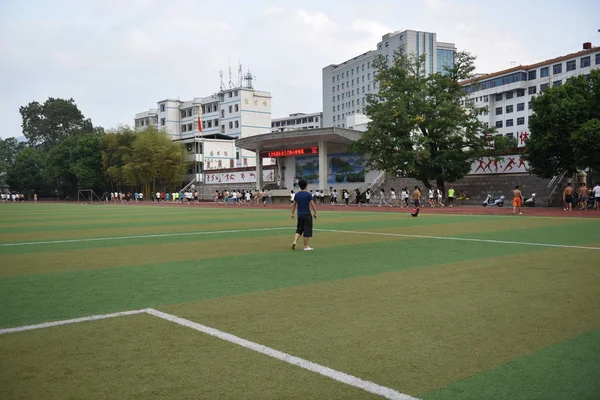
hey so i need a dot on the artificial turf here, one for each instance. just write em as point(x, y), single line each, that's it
point(432, 318)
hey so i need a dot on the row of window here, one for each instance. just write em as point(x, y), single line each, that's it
point(353, 92)
point(346, 85)
point(349, 104)
point(346, 74)
point(509, 122)
point(571, 65)
point(341, 116)
point(510, 108)
point(297, 121)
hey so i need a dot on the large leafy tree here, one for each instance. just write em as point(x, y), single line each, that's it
point(565, 128)
point(9, 149)
point(145, 160)
point(422, 126)
point(48, 123)
point(25, 175)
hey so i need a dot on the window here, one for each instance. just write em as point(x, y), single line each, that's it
point(162, 106)
point(222, 128)
point(182, 113)
point(532, 89)
point(544, 72)
point(369, 74)
point(557, 69)
point(316, 119)
point(486, 99)
point(556, 83)
point(543, 87)
point(230, 94)
point(369, 87)
point(342, 85)
point(498, 124)
point(369, 64)
point(230, 109)
point(509, 109)
point(363, 67)
point(597, 58)
point(509, 95)
point(183, 127)
point(531, 75)
point(363, 78)
point(222, 113)
point(498, 110)
point(571, 65)
point(584, 62)
point(162, 122)
point(499, 97)
point(521, 107)
point(189, 127)
point(237, 108)
point(363, 89)
point(237, 124)
point(530, 105)
point(235, 93)
point(521, 121)
point(520, 92)
point(334, 79)
point(510, 136)
point(509, 122)
point(230, 124)
point(333, 98)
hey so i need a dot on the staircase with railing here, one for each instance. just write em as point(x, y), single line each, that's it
point(189, 185)
point(553, 186)
point(377, 182)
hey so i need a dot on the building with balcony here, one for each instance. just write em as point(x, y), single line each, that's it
point(508, 93)
point(208, 125)
point(297, 121)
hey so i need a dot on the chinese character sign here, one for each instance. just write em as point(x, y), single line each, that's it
point(237, 177)
point(500, 165)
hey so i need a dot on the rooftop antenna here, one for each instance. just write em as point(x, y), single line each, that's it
point(222, 84)
point(230, 81)
point(240, 74)
point(512, 64)
point(248, 78)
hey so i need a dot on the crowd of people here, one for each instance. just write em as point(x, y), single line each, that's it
point(248, 197)
point(14, 197)
point(583, 198)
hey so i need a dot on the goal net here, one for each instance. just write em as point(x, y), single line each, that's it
point(87, 196)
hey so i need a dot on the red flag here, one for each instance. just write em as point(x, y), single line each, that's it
point(199, 124)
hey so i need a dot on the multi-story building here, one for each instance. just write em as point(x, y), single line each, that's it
point(225, 116)
point(297, 121)
point(508, 93)
point(346, 85)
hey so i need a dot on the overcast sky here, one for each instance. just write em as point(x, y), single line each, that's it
point(119, 57)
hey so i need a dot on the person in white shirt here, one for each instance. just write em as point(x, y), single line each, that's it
point(292, 195)
point(431, 198)
point(141, 196)
point(368, 197)
point(393, 198)
point(597, 195)
point(382, 199)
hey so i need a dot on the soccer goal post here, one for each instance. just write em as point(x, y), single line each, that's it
point(87, 196)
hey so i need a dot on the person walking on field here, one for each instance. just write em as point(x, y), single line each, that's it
point(568, 197)
point(303, 200)
point(416, 197)
point(596, 191)
point(517, 200)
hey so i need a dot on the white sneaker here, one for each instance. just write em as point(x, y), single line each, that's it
point(308, 249)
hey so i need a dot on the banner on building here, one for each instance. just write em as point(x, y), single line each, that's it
point(515, 164)
point(237, 177)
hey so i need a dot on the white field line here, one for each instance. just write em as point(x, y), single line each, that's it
point(70, 321)
point(459, 239)
point(342, 377)
point(143, 236)
point(350, 380)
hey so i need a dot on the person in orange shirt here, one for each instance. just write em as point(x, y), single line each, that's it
point(517, 200)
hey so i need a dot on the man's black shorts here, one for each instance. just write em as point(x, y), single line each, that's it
point(568, 198)
point(305, 225)
point(416, 202)
point(450, 199)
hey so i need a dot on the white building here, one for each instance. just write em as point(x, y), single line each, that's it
point(345, 85)
point(225, 116)
point(297, 121)
point(508, 93)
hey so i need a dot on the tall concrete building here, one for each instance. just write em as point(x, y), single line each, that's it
point(346, 85)
point(297, 121)
point(228, 115)
point(508, 93)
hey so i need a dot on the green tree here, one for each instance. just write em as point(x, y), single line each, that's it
point(564, 128)
point(25, 175)
point(48, 123)
point(9, 149)
point(115, 152)
point(419, 128)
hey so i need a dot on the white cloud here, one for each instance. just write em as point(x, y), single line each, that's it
point(435, 5)
point(272, 10)
point(318, 21)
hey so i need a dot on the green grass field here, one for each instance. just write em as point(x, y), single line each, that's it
point(401, 306)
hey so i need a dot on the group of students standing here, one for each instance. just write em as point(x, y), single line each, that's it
point(248, 197)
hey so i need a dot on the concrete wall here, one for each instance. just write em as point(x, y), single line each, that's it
point(477, 187)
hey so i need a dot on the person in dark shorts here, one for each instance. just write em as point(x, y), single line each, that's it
point(416, 197)
point(304, 201)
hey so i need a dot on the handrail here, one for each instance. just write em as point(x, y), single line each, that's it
point(556, 183)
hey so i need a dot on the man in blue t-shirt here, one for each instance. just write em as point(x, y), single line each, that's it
point(304, 201)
